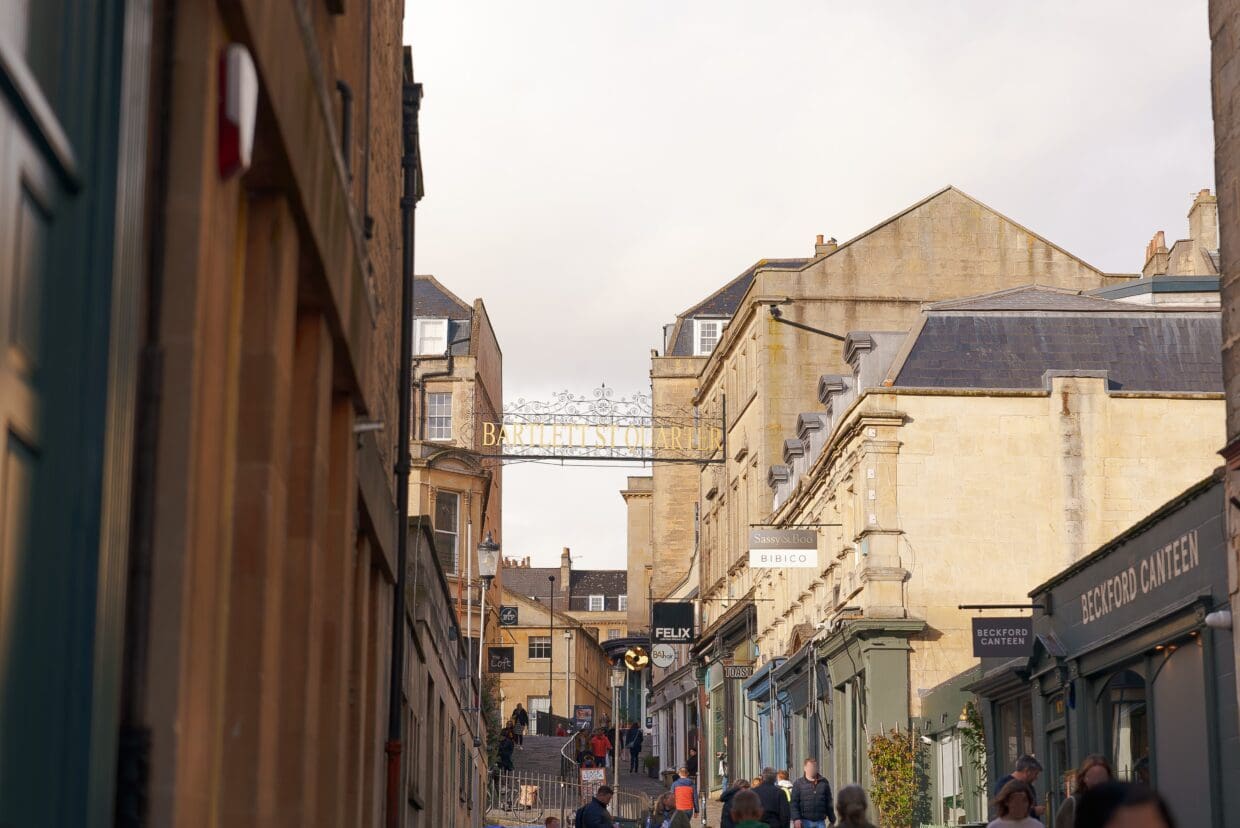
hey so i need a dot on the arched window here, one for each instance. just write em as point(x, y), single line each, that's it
point(1126, 717)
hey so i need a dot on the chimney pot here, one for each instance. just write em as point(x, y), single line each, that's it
point(822, 248)
point(818, 239)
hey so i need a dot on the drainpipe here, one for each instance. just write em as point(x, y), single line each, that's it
point(411, 98)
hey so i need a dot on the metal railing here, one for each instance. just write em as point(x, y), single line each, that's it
point(522, 798)
point(568, 764)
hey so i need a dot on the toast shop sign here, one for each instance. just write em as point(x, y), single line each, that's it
point(603, 426)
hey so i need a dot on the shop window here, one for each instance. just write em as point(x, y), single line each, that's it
point(1016, 731)
point(1127, 717)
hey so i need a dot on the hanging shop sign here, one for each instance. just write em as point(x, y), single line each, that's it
point(500, 660)
point(783, 548)
point(636, 659)
point(663, 655)
point(737, 671)
point(602, 426)
point(1002, 637)
point(583, 716)
point(508, 616)
point(673, 622)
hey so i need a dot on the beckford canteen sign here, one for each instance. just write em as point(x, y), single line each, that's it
point(1002, 637)
point(783, 548)
point(602, 426)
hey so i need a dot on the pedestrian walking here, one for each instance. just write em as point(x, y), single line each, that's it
point(1121, 805)
point(725, 816)
point(506, 746)
point(684, 793)
point(775, 810)
point(636, 739)
point(781, 779)
point(746, 810)
point(600, 747)
point(1028, 768)
point(810, 801)
point(1094, 771)
point(851, 806)
point(594, 814)
point(520, 721)
point(1014, 806)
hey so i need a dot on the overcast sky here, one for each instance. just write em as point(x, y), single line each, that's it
point(594, 167)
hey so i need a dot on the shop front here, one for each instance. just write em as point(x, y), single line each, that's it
point(770, 747)
point(804, 696)
point(1132, 659)
point(727, 652)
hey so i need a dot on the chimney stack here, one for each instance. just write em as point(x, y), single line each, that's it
point(1203, 220)
point(822, 248)
point(566, 570)
point(1157, 257)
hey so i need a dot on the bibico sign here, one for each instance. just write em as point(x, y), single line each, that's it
point(783, 548)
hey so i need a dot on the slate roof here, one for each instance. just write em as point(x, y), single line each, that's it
point(434, 301)
point(722, 303)
point(532, 582)
point(1028, 298)
point(1012, 344)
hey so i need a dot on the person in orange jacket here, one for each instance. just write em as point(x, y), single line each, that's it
point(600, 746)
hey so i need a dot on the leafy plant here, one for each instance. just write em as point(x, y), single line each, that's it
point(651, 762)
point(491, 715)
point(973, 740)
point(897, 770)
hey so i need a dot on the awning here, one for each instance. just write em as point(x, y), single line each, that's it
point(793, 677)
point(758, 686)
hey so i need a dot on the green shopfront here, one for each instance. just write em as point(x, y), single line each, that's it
point(1132, 659)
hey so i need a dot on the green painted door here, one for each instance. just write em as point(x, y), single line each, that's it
point(59, 111)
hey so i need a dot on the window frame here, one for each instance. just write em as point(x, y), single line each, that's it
point(613, 634)
point(541, 639)
point(438, 425)
point(602, 603)
point(420, 335)
point(622, 603)
point(698, 326)
point(455, 532)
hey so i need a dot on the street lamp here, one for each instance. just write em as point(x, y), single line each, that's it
point(488, 563)
point(551, 644)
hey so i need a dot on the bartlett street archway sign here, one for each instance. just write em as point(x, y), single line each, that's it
point(602, 426)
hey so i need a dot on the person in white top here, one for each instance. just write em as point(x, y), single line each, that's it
point(1013, 804)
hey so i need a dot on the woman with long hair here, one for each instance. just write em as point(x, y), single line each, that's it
point(1013, 805)
point(1095, 770)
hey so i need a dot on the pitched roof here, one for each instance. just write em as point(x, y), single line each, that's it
point(531, 581)
point(722, 303)
point(432, 300)
point(1013, 345)
point(1028, 298)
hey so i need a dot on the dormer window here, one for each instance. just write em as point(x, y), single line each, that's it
point(706, 334)
point(430, 337)
point(596, 603)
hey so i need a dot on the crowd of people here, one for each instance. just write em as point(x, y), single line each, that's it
point(595, 748)
point(1098, 799)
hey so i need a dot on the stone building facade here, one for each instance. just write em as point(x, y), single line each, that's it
point(1225, 85)
point(1002, 440)
point(598, 598)
point(731, 357)
point(200, 374)
point(556, 659)
point(456, 480)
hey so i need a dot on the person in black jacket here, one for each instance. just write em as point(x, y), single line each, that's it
point(725, 818)
point(506, 745)
point(774, 801)
point(594, 814)
point(811, 803)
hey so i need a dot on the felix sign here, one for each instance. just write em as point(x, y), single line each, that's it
point(673, 622)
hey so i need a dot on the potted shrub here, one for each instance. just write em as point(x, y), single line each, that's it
point(652, 766)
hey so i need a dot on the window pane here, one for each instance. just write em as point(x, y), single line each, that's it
point(439, 416)
point(623, 602)
point(707, 336)
point(432, 337)
point(447, 510)
point(613, 634)
point(540, 646)
point(596, 603)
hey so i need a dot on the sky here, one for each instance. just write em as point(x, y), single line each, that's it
point(594, 167)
